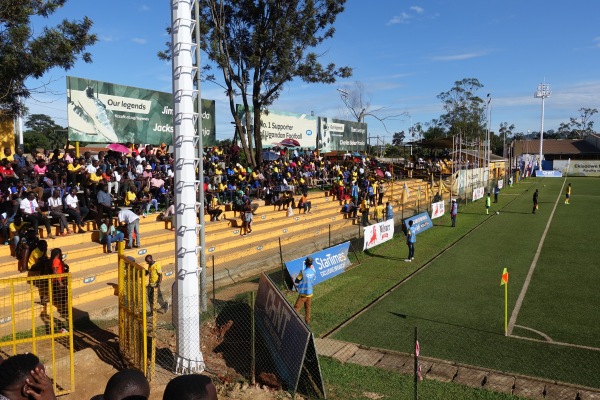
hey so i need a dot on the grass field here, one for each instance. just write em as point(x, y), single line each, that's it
point(456, 301)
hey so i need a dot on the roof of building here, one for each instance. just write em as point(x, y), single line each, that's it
point(555, 146)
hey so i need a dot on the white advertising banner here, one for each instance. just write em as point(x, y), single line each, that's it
point(437, 209)
point(374, 235)
point(500, 184)
point(277, 126)
point(577, 167)
point(478, 193)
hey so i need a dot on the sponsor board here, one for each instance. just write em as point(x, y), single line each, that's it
point(328, 263)
point(478, 193)
point(277, 126)
point(102, 112)
point(500, 183)
point(340, 135)
point(286, 337)
point(421, 222)
point(374, 235)
point(548, 174)
point(437, 209)
point(577, 167)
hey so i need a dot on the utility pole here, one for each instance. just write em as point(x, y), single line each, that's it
point(543, 92)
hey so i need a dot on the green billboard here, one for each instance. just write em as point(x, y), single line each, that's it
point(101, 112)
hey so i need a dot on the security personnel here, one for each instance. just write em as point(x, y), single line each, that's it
point(304, 284)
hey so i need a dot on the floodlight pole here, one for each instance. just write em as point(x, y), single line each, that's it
point(543, 92)
point(488, 139)
point(186, 300)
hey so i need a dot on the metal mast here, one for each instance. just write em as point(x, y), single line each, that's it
point(543, 92)
point(186, 310)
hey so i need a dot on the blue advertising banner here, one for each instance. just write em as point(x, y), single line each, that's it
point(548, 174)
point(328, 263)
point(420, 221)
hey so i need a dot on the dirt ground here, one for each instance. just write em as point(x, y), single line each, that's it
point(97, 359)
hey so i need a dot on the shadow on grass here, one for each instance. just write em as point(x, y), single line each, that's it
point(405, 316)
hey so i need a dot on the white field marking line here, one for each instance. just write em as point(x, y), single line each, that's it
point(542, 334)
point(515, 313)
point(577, 346)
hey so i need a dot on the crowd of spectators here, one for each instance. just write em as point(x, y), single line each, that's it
point(48, 188)
point(23, 376)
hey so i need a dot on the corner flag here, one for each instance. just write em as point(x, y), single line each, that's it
point(504, 279)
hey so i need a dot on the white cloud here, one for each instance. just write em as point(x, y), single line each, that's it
point(144, 7)
point(417, 9)
point(139, 40)
point(107, 39)
point(459, 57)
point(403, 18)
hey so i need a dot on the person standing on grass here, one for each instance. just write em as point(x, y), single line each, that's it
point(535, 201)
point(496, 193)
point(304, 283)
point(453, 212)
point(488, 203)
point(154, 280)
point(411, 239)
point(568, 194)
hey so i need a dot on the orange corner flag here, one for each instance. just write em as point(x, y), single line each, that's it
point(504, 279)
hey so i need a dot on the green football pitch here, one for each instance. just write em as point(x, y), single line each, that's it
point(456, 300)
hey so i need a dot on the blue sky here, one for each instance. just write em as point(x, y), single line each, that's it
point(404, 52)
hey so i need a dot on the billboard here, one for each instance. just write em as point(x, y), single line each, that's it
point(101, 112)
point(287, 338)
point(437, 209)
point(339, 135)
point(278, 125)
point(378, 233)
point(578, 167)
point(421, 222)
point(328, 263)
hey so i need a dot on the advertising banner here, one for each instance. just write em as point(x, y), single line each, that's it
point(421, 222)
point(437, 209)
point(468, 178)
point(500, 183)
point(340, 135)
point(478, 193)
point(286, 337)
point(276, 126)
point(378, 233)
point(101, 112)
point(328, 263)
point(578, 167)
point(548, 174)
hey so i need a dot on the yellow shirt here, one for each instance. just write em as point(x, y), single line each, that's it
point(154, 271)
point(129, 197)
point(94, 178)
point(72, 168)
point(35, 255)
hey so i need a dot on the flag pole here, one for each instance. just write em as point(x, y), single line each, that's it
point(506, 309)
point(504, 281)
point(416, 366)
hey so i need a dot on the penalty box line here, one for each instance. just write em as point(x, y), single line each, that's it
point(519, 303)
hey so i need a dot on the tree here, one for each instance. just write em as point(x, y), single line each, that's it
point(25, 53)
point(504, 133)
point(43, 132)
point(435, 130)
point(358, 102)
point(398, 138)
point(465, 111)
point(259, 46)
point(577, 128)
